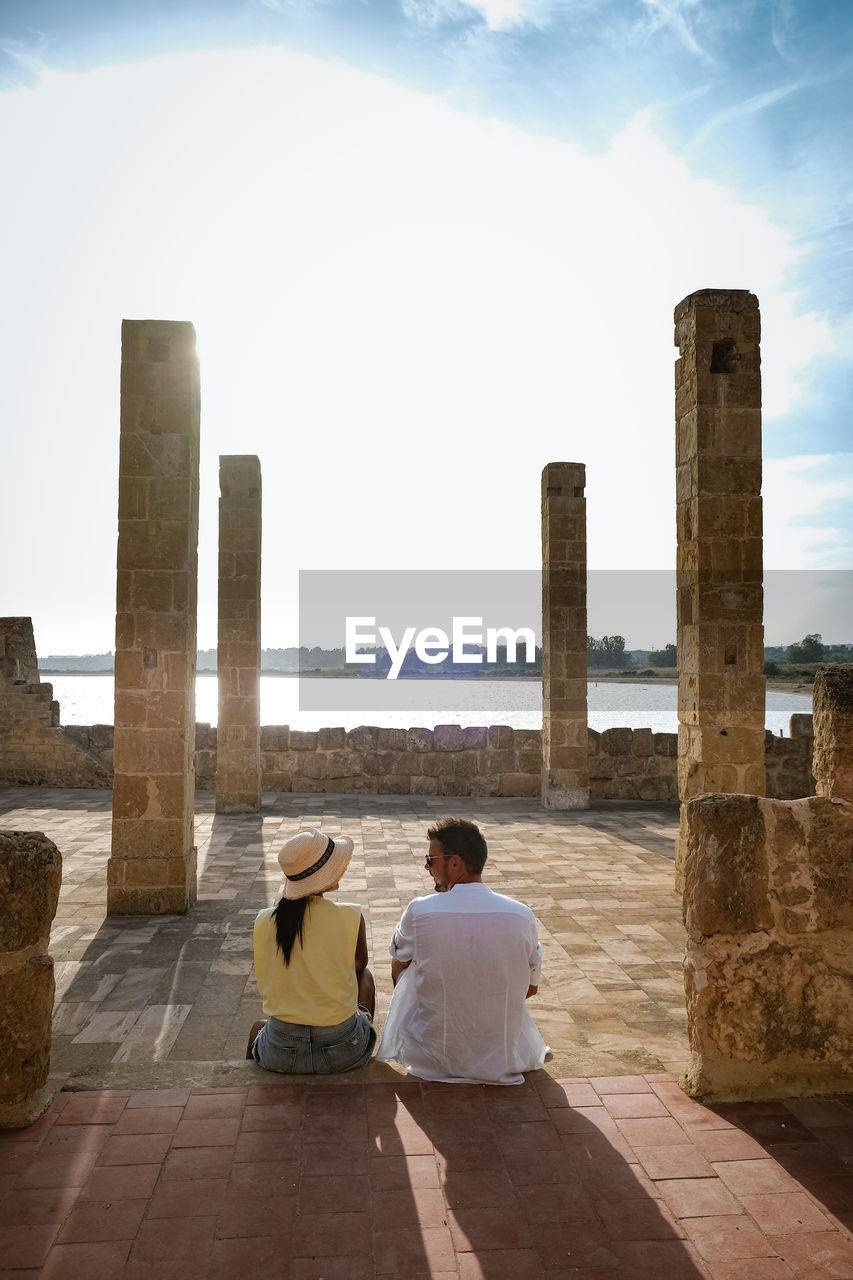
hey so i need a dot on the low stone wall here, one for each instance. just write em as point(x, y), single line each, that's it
point(624, 764)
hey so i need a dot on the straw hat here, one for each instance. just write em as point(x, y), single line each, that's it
point(312, 862)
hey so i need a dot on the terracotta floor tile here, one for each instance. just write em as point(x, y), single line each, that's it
point(822, 1255)
point(820, 1113)
point(339, 1193)
point(754, 1177)
point(101, 1261)
point(329, 1235)
point(620, 1084)
point(781, 1127)
point(265, 1178)
point(93, 1108)
point(342, 1129)
point(500, 1264)
point(628, 1106)
point(191, 1197)
point(638, 1220)
point(567, 1093)
point(264, 1146)
point(158, 1098)
point(37, 1205)
point(121, 1182)
point(674, 1162)
point(584, 1120)
point(135, 1148)
point(273, 1116)
point(728, 1144)
point(460, 1156)
point(148, 1120)
point(698, 1197)
point(222, 1131)
point(185, 1238)
point(563, 1202)
point(26, 1245)
point(783, 1212)
point(402, 1141)
point(349, 1268)
point(620, 1182)
point(242, 1215)
point(69, 1139)
point(483, 1188)
point(751, 1269)
point(241, 1257)
point(391, 1173)
point(653, 1133)
point(726, 1238)
point(586, 1151)
point(574, 1244)
point(652, 1259)
point(320, 1158)
point(476, 1229)
point(58, 1171)
point(198, 1162)
point(519, 1139)
point(95, 1220)
point(425, 1208)
point(214, 1106)
point(403, 1252)
point(508, 1108)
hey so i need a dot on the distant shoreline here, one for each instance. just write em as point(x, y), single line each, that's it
point(779, 686)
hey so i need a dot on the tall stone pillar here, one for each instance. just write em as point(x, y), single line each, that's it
point(152, 867)
point(238, 754)
point(719, 564)
point(565, 753)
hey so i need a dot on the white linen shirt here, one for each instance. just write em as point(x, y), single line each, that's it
point(458, 1013)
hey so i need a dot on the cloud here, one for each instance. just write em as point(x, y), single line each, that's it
point(499, 15)
point(749, 107)
point(394, 300)
point(675, 14)
point(807, 505)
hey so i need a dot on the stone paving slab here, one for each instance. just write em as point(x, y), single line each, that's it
point(608, 1178)
point(145, 1000)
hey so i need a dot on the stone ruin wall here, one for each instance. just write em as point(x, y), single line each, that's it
point(34, 748)
point(625, 764)
point(768, 909)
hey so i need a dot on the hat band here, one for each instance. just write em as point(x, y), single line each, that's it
point(321, 862)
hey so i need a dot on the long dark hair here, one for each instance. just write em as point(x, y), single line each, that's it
point(289, 918)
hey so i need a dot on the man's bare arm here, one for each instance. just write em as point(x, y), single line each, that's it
point(397, 967)
point(531, 991)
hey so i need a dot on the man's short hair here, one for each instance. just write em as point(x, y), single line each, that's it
point(459, 836)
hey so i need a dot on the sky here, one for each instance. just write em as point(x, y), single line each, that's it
point(428, 246)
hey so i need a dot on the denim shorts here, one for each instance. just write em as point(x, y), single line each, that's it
point(298, 1050)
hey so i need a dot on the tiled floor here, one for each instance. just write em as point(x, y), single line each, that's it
point(169, 1156)
point(619, 1178)
point(179, 991)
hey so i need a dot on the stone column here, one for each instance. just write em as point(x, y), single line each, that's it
point(238, 755)
point(152, 868)
point(833, 733)
point(30, 876)
point(719, 563)
point(565, 763)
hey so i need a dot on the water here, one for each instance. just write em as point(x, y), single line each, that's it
point(89, 700)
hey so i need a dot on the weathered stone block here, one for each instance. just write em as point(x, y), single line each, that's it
point(30, 876)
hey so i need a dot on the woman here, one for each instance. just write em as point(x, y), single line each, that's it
point(311, 967)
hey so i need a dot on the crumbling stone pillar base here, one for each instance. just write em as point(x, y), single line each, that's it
point(768, 906)
point(30, 876)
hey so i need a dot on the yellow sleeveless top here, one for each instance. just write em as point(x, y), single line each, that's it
point(318, 988)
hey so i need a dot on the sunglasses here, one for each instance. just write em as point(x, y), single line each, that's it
point(431, 857)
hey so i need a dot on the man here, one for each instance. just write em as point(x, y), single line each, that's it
point(463, 961)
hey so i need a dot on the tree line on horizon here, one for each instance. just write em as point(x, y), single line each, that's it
point(605, 653)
